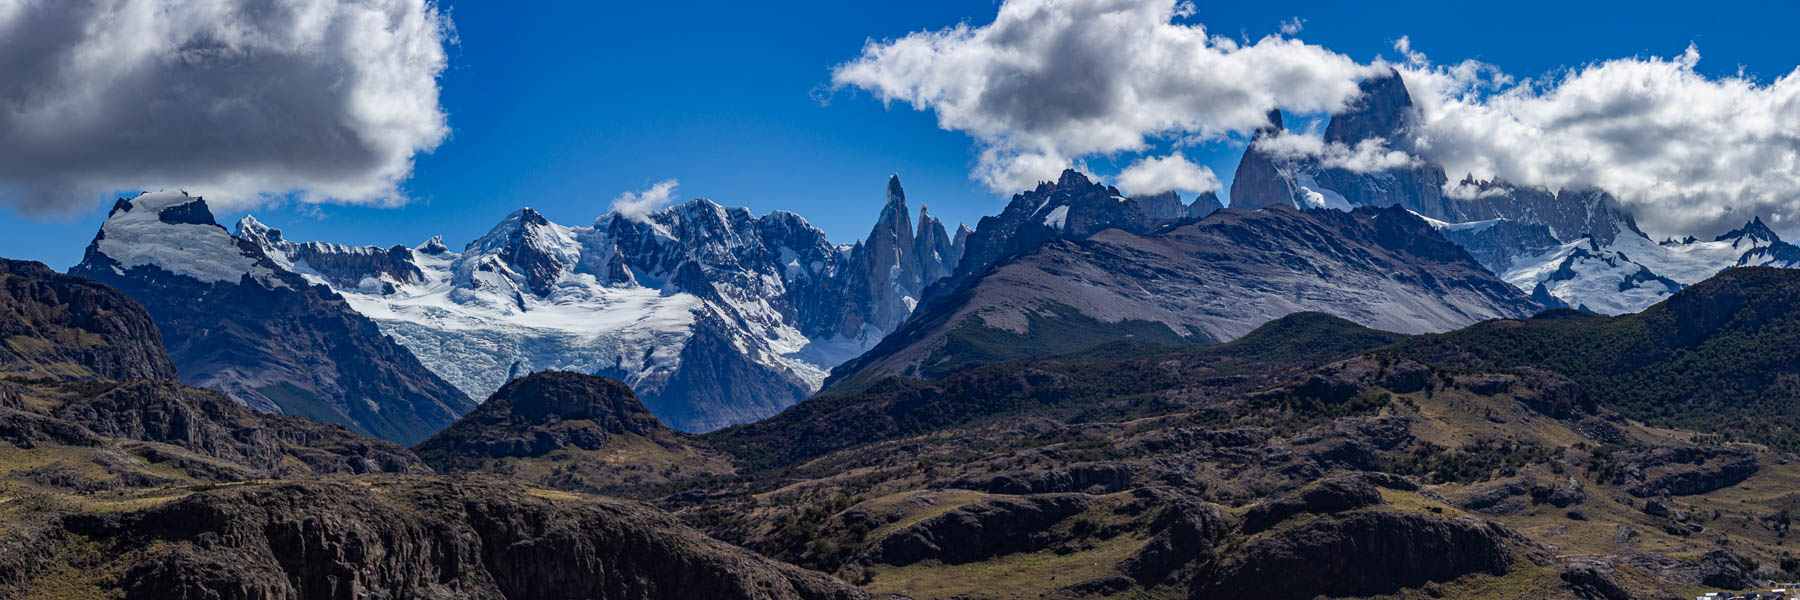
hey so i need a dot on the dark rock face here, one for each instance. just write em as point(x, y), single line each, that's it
point(279, 344)
point(1180, 532)
point(976, 532)
point(1513, 495)
point(428, 538)
point(1500, 245)
point(345, 266)
point(200, 422)
point(1359, 554)
point(538, 414)
point(1102, 478)
point(1330, 496)
point(55, 325)
point(1072, 207)
point(1687, 471)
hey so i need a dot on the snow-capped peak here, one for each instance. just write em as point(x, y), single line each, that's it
point(433, 247)
point(1752, 234)
point(176, 232)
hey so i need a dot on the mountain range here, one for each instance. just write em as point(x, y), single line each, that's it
point(1204, 281)
point(234, 320)
point(1574, 247)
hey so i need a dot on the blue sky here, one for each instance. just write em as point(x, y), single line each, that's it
point(564, 106)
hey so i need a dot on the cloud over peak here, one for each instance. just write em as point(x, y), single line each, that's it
point(1155, 175)
point(637, 206)
point(235, 99)
point(1051, 81)
point(1686, 152)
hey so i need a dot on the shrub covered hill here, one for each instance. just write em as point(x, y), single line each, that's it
point(1719, 356)
point(1312, 457)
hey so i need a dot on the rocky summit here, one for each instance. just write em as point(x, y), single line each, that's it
point(236, 320)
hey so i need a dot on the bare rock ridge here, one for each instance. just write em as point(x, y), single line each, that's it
point(239, 322)
point(426, 538)
point(61, 326)
point(109, 414)
point(1211, 280)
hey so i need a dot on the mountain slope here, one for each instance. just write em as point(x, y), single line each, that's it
point(1715, 356)
point(712, 315)
point(56, 325)
point(236, 321)
point(1213, 280)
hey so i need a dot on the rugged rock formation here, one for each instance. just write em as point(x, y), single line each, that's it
point(977, 531)
point(193, 431)
point(236, 321)
point(342, 266)
point(419, 538)
point(1213, 280)
point(1359, 554)
point(54, 325)
point(1070, 208)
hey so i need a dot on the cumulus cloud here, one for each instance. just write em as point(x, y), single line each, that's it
point(637, 206)
point(1052, 81)
point(1155, 175)
point(1366, 156)
point(1687, 153)
point(233, 99)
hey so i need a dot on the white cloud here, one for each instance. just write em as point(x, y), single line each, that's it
point(1367, 156)
point(1292, 26)
point(233, 99)
point(1154, 175)
point(637, 206)
point(1052, 81)
point(1687, 153)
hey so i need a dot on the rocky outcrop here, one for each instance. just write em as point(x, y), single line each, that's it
point(1330, 496)
point(1099, 478)
point(1358, 554)
point(977, 531)
point(426, 538)
point(1181, 532)
point(54, 325)
point(203, 425)
point(1686, 471)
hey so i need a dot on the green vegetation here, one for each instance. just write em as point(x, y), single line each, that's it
point(1718, 357)
point(1064, 329)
